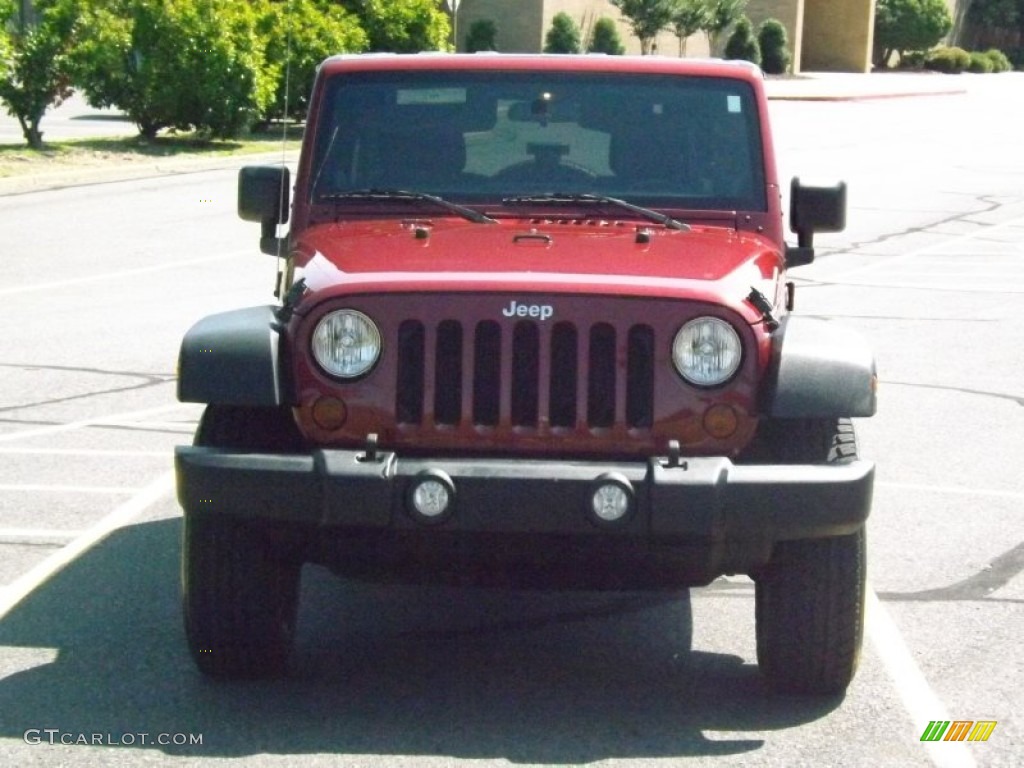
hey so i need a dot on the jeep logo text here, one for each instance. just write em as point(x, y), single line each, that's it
point(543, 311)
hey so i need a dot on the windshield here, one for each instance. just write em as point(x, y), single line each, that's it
point(481, 137)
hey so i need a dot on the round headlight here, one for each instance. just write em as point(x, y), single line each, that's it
point(707, 351)
point(346, 343)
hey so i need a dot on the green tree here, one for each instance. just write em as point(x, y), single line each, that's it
point(606, 38)
point(775, 55)
point(187, 64)
point(405, 26)
point(298, 35)
point(482, 36)
point(34, 70)
point(690, 17)
point(564, 35)
point(722, 14)
point(908, 25)
point(742, 44)
point(647, 18)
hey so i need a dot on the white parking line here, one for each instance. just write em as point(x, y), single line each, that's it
point(117, 418)
point(919, 700)
point(34, 488)
point(83, 453)
point(113, 276)
point(28, 582)
point(37, 536)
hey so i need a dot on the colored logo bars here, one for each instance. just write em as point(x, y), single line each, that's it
point(958, 730)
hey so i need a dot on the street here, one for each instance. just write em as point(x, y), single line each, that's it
point(100, 283)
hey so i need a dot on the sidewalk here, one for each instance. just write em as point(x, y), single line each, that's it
point(842, 86)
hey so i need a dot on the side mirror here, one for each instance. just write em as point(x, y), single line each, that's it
point(813, 209)
point(263, 196)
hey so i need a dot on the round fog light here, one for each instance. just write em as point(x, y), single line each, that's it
point(329, 413)
point(612, 499)
point(721, 421)
point(431, 497)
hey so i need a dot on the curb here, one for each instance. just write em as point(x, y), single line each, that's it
point(863, 96)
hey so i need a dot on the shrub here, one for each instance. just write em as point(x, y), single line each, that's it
point(1000, 61)
point(775, 56)
point(979, 63)
point(908, 25)
point(951, 60)
point(912, 59)
point(564, 35)
point(742, 44)
point(188, 64)
point(482, 36)
point(606, 38)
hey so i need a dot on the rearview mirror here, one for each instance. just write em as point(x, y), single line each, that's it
point(813, 209)
point(263, 196)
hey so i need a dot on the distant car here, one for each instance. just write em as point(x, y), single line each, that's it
point(534, 328)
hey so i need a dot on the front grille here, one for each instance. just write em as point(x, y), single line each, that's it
point(525, 376)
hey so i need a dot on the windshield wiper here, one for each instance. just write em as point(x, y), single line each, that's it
point(564, 198)
point(405, 195)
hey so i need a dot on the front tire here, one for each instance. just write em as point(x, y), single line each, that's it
point(809, 600)
point(240, 600)
point(240, 590)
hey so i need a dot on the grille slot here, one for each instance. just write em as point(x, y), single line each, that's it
point(640, 377)
point(601, 377)
point(487, 373)
point(564, 375)
point(525, 373)
point(540, 373)
point(409, 386)
point(448, 373)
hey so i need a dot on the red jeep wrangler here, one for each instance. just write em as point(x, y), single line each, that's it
point(533, 329)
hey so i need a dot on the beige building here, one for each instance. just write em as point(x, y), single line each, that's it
point(824, 35)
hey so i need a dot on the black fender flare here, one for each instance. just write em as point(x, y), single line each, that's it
point(819, 369)
point(233, 358)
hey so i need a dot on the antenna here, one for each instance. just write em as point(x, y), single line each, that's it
point(283, 193)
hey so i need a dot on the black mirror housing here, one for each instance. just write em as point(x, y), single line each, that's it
point(263, 193)
point(816, 209)
point(813, 209)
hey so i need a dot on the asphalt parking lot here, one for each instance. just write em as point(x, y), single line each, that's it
point(100, 283)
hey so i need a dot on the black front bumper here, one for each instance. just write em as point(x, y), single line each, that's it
point(726, 515)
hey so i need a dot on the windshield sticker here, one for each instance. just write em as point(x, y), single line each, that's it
point(431, 96)
point(732, 102)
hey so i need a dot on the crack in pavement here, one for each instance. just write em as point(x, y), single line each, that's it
point(1018, 399)
point(149, 380)
point(906, 318)
point(995, 575)
point(962, 217)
